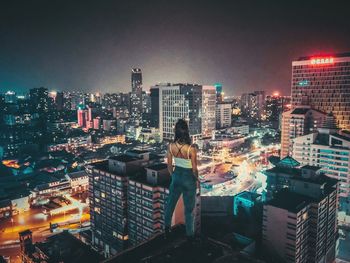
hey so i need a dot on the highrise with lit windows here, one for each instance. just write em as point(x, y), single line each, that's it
point(192, 102)
point(136, 96)
point(323, 82)
point(127, 200)
point(300, 221)
point(298, 122)
point(329, 149)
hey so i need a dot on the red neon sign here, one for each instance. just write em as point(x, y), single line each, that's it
point(323, 60)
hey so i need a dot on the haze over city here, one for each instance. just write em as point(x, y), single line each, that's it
point(245, 45)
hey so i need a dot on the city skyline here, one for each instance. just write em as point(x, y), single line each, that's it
point(185, 131)
point(245, 47)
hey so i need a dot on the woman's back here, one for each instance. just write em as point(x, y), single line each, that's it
point(181, 154)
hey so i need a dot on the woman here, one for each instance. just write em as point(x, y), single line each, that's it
point(184, 177)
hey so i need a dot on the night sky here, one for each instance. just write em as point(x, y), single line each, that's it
point(91, 46)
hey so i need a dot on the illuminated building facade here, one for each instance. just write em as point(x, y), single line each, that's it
point(323, 82)
point(82, 115)
point(275, 106)
point(127, 200)
point(219, 93)
point(194, 103)
point(147, 195)
point(328, 149)
point(253, 105)
point(39, 100)
point(223, 115)
point(136, 96)
point(300, 221)
point(208, 111)
point(298, 122)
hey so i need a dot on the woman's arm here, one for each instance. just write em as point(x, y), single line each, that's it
point(194, 161)
point(169, 158)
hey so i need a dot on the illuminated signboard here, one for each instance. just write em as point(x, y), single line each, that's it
point(320, 61)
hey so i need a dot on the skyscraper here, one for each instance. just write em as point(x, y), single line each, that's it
point(223, 115)
point(297, 122)
point(253, 105)
point(154, 94)
point(192, 102)
point(323, 82)
point(136, 96)
point(208, 109)
point(82, 116)
point(39, 100)
point(219, 93)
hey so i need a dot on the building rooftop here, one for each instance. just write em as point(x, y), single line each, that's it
point(76, 175)
point(158, 167)
point(288, 162)
point(342, 137)
point(338, 55)
point(124, 158)
point(285, 170)
point(300, 111)
point(177, 249)
point(64, 247)
point(137, 151)
point(290, 201)
point(311, 167)
point(142, 178)
point(104, 166)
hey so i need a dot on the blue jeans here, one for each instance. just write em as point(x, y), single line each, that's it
point(182, 182)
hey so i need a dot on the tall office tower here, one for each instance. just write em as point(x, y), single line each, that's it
point(39, 100)
point(223, 115)
point(300, 222)
point(208, 111)
point(329, 149)
point(219, 93)
point(59, 101)
point(323, 82)
point(297, 122)
point(253, 105)
point(154, 94)
point(274, 109)
point(146, 102)
point(82, 116)
point(136, 96)
point(146, 109)
point(259, 104)
point(194, 103)
point(127, 198)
